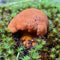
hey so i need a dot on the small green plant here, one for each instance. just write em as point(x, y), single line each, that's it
point(26, 58)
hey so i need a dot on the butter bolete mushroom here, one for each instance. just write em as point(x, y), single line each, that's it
point(28, 21)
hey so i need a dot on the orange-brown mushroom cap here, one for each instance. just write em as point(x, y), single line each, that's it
point(30, 19)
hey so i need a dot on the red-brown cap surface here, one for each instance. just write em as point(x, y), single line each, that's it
point(31, 20)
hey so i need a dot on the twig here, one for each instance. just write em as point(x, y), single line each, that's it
point(17, 58)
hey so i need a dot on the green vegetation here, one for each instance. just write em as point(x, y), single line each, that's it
point(46, 48)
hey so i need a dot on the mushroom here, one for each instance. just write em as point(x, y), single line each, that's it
point(32, 22)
